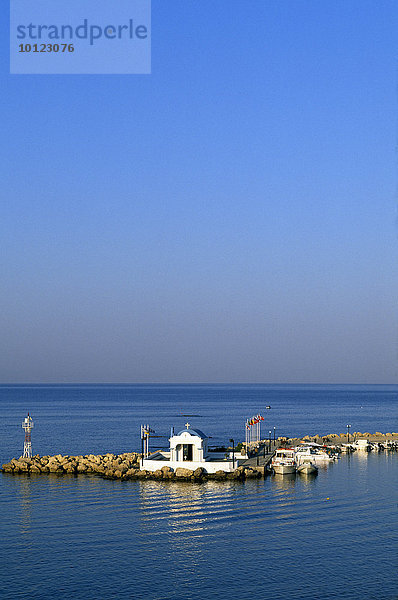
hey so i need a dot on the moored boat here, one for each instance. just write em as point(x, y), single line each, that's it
point(363, 444)
point(347, 448)
point(305, 466)
point(284, 461)
point(314, 452)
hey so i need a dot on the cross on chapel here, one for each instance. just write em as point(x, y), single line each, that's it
point(187, 425)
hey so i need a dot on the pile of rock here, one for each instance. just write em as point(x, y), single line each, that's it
point(122, 466)
point(339, 438)
point(106, 465)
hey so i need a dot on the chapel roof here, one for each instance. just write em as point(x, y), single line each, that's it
point(196, 432)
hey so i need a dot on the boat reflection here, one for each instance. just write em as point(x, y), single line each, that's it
point(284, 482)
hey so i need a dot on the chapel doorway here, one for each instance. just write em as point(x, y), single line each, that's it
point(187, 452)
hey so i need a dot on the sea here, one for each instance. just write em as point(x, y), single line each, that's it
point(333, 536)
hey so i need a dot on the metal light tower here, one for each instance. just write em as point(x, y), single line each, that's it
point(28, 425)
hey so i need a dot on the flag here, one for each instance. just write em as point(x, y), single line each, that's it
point(148, 430)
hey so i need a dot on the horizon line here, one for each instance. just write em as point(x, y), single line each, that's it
point(197, 383)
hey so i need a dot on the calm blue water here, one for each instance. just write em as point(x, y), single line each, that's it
point(332, 537)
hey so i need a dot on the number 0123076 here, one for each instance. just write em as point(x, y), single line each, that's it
point(46, 48)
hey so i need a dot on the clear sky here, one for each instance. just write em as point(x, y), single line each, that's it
point(229, 218)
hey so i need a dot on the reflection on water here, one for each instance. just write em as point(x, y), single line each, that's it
point(284, 482)
point(307, 476)
point(362, 456)
point(183, 515)
point(174, 533)
point(25, 497)
point(181, 503)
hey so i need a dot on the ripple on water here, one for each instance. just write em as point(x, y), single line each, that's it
point(296, 538)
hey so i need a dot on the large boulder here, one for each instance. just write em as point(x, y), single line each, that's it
point(131, 473)
point(123, 467)
point(168, 473)
point(251, 474)
point(109, 474)
point(129, 459)
point(22, 465)
point(94, 459)
point(165, 470)
point(70, 467)
point(199, 473)
point(56, 468)
point(141, 474)
point(183, 473)
point(109, 457)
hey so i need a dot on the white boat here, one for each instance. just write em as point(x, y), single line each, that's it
point(390, 445)
point(314, 452)
point(306, 466)
point(347, 448)
point(363, 445)
point(284, 461)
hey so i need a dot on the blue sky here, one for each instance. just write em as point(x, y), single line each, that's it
point(229, 218)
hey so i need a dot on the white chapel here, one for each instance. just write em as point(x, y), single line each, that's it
point(189, 449)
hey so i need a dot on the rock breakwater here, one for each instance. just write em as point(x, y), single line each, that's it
point(341, 438)
point(121, 466)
